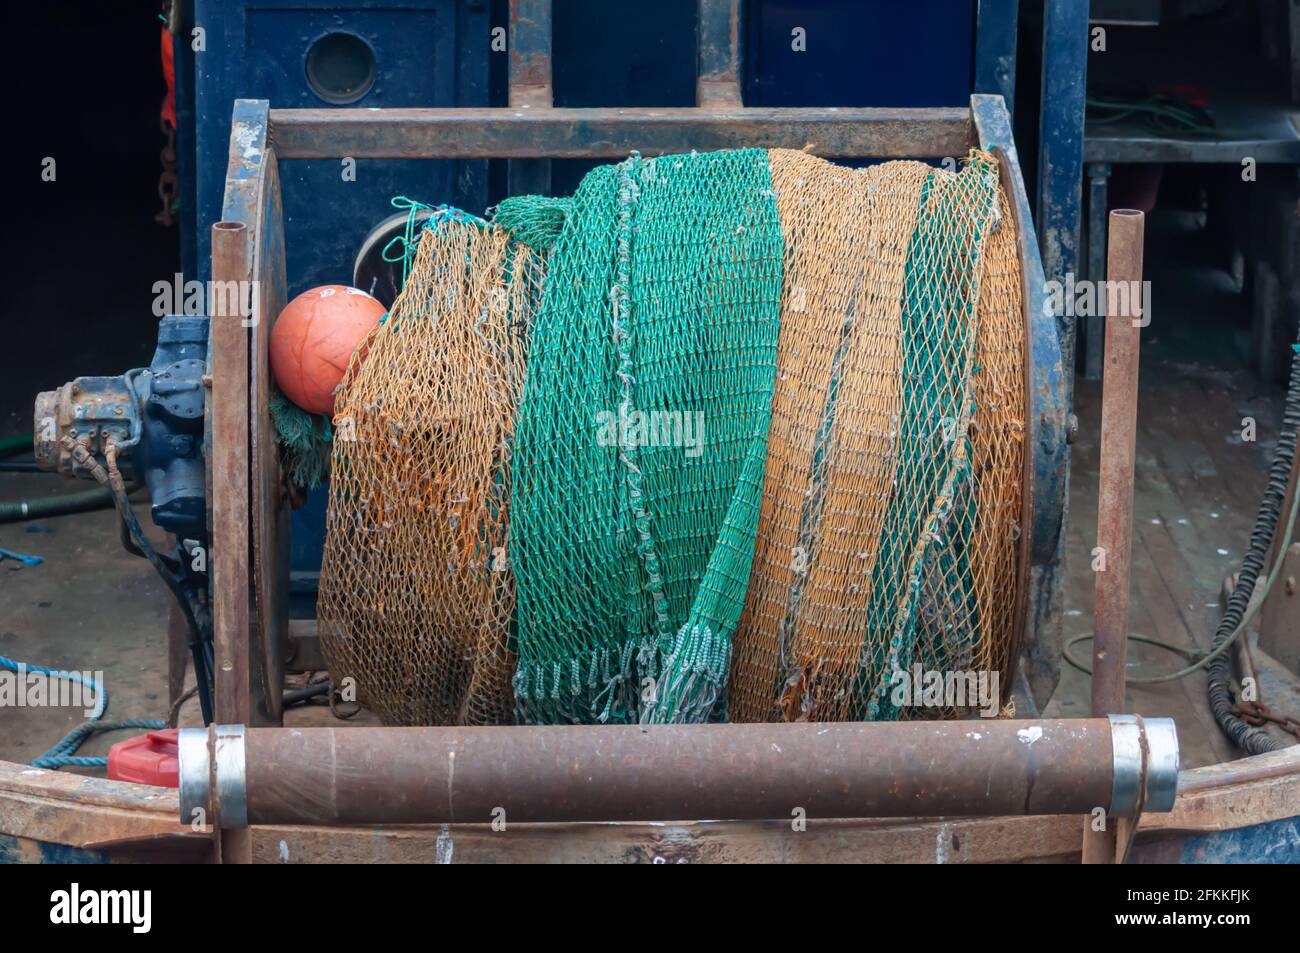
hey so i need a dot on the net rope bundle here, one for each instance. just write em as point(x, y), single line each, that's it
point(724, 435)
point(416, 597)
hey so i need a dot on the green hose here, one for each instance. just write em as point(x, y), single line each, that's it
point(43, 507)
point(18, 443)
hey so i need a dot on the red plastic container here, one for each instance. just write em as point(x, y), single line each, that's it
point(148, 759)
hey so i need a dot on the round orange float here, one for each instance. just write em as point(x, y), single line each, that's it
point(313, 340)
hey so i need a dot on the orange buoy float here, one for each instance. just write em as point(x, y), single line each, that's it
point(313, 340)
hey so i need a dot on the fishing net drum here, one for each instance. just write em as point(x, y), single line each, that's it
point(732, 435)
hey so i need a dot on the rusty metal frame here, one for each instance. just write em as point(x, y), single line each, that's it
point(249, 503)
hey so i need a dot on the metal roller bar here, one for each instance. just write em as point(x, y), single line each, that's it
point(326, 776)
point(612, 133)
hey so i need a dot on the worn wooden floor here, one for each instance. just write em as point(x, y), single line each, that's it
point(1196, 489)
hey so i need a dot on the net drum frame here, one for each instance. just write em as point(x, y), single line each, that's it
point(250, 500)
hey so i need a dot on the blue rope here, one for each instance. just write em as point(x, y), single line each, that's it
point(62, 754)
point(410, 240)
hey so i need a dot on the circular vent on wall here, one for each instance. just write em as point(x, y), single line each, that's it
point(340, 68)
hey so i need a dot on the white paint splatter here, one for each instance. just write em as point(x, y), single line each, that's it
point(245, 139)
point(941, 841)
point(1029, 735)
point(284, 852)
point(443, 846)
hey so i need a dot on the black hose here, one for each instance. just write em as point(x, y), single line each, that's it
point(42, 507)
point(1218, 689)
point(309, 691)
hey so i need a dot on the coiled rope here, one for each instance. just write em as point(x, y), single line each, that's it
point(62, 754)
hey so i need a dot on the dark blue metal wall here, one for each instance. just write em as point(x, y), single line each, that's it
point(606, 53)
point(860, 53)
point(426, 53)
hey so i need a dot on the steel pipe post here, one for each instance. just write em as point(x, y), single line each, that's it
point(1125, 307)
point(1119, 401)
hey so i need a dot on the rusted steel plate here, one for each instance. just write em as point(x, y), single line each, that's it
point(956, 841)
point(509, 133)
point(84, 812)
point(269, 506)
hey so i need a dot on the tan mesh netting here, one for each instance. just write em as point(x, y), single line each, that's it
point(846, 234)
point(998, 443)
point(416, 596)
point(815, 638)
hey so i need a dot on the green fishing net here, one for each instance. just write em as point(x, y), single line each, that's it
point(304, 441)
point(638, 458)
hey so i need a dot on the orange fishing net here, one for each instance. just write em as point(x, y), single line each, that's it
point(416, 596)
point(892, 489)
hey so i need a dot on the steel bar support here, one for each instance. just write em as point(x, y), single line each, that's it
point(228, 411)
point(718, 35)
point(530, 85)
point(1125, 307)
point(1060, 150)
point(674, 772)
point(1119, 397)
point(611, 133)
